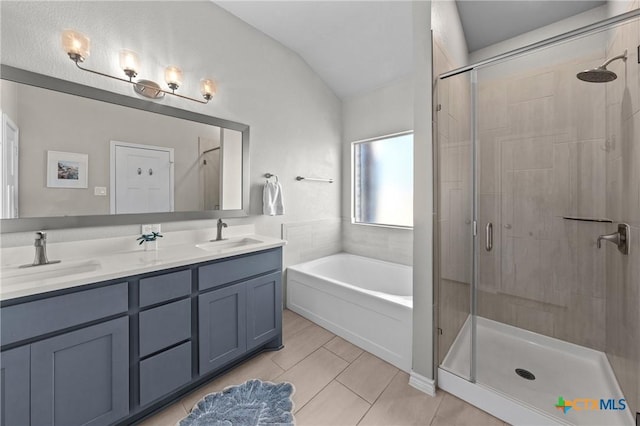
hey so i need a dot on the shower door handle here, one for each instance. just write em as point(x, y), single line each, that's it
point(488, 237)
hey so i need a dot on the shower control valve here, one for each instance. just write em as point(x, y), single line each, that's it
point(620, 238)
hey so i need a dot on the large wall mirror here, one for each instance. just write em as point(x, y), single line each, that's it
point(74, 155)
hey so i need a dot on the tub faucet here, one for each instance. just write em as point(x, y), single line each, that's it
point(221, 225)
point(40, 244)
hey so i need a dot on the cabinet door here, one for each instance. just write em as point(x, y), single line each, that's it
point(81, 377)
point(223, 329)
point(264, 309)
point(14, 387)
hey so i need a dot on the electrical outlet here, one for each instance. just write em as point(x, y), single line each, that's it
point(147, 229)
point(100, 191)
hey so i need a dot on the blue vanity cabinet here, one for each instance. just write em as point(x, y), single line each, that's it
point(264, 309)
point(165, 334)
point(112, 353)
point(239, 307)
point(81, 377)
point(14, 386)
point(222, 320)
point(65, 358)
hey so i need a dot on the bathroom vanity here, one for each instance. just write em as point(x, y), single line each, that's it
point(109, 336)
point(113, 351)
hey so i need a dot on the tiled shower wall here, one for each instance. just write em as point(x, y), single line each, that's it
point(622, 156)
point(542, 157)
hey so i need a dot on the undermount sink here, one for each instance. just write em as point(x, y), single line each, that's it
point(17, 275)
point(227, 245)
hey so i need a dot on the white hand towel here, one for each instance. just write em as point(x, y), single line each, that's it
point(272, 204)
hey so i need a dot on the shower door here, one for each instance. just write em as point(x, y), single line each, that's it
point(455, 226)
point(533, 165)
point(546, 166)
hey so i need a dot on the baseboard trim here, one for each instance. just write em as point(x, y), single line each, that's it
point(422, 383)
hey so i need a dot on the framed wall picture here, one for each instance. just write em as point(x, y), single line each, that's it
point(67, 169)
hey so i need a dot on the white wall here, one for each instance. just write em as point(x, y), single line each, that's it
point(9, 96)
point(447, 30)
point(618, 7)
point(295, 118)
point(383, 111)
point(423, 193)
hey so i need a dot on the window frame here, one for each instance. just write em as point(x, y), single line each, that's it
point(353, 180)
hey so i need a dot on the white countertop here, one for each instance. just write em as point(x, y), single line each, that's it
point(91, 266)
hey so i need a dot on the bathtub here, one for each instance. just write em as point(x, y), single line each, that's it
point(365, 301)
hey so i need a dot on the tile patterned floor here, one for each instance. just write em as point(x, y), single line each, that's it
point(337, 383)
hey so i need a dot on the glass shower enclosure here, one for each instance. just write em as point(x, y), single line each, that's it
point(538, 174)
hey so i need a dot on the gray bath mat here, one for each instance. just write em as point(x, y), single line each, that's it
point(252, 403)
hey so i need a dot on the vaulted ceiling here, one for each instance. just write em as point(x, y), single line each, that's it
point(357, 46)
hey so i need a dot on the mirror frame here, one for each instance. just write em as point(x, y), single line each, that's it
point(18, 75)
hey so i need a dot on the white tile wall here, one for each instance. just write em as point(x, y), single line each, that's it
point(311, 240)
point(389, 244)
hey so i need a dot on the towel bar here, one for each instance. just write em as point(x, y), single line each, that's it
point(329, 180)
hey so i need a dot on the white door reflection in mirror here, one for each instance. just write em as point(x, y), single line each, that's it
point(141, 178)
point(9, 172)
point(231, 169)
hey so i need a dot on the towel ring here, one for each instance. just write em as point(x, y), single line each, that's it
point(270, 175)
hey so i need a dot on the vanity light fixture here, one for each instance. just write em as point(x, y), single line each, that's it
point(77, 46)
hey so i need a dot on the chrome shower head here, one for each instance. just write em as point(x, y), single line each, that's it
point(601, 74)
point(597, 75)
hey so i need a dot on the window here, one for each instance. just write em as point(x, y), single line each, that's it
point(383, 181)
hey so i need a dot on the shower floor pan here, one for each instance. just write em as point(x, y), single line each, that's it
point(561, 369)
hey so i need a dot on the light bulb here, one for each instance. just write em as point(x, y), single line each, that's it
point(173, 77)
point(129, 62)
point(207, 88)
point(76, 45)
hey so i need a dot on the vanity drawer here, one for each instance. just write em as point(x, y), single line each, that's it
point(227, 271)
point(164, 287)
point(165, 372)
point(31, 319)
point(164, 326)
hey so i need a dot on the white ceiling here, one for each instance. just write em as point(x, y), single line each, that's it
point(489, 22)
point(357, 46)
point(354, 46)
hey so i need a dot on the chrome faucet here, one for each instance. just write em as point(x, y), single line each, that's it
point(221, 225)
point(40, 244)
point(620, 238)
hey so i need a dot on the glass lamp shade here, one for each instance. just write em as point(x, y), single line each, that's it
point(173, 77)
point(129, 62)
point(76, 45)
point(207, 88)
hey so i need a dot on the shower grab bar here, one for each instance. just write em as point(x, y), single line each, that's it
point(488, 237)
point(329, 180)
point(588, 219)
